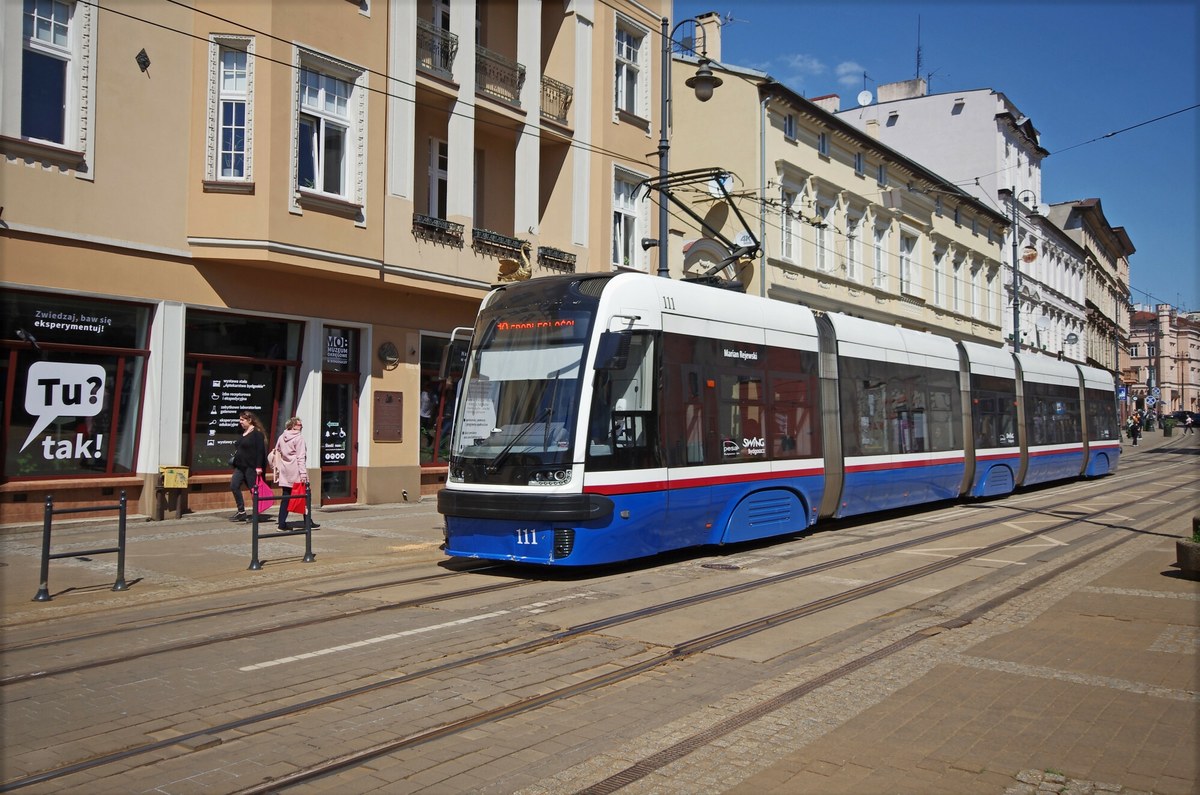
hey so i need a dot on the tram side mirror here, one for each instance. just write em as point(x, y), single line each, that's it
point(612, 352)
point(454, 359)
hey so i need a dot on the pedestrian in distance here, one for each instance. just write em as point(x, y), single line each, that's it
point(1188, 424)
point(290, 460)
point(1135, 427)
point(249, 460)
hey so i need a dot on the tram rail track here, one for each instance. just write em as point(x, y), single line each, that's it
point(208, 640)
point(680, 651)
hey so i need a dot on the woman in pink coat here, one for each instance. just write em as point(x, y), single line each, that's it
point(290, 459)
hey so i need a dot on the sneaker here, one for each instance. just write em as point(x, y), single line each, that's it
point(240, 516)
point(313, 525)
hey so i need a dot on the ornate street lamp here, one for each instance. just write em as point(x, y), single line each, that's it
point(703, 83)
point(1027, 256)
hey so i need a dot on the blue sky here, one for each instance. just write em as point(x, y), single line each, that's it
point(1079, 70)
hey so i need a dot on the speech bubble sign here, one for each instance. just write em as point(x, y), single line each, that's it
point(57, 389)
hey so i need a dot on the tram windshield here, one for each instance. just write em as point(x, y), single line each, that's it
point(518, 404)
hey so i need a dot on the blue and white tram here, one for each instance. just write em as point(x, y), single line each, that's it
point(608, 417)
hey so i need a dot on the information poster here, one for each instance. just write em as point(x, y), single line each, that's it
point(222, 400)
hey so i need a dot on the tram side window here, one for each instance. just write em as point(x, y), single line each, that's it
point(623, 423)
point(890, 408)
point(740, 417)
point(994, 411)
point(792, 427)
point(1052, 413)
point(1101, 414)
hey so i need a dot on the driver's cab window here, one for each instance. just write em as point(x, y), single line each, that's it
point(623, 424)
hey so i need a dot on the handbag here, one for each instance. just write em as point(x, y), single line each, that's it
point(296, 504)
point(264, 495)
point(233, 461)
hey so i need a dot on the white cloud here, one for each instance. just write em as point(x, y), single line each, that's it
point(850, 74)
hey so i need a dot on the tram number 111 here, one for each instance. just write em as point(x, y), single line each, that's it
point(526, 536)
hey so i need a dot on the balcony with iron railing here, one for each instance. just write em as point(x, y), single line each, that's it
point(498, 77)
point(437, 230)
point(556, 100)
point(436, 49)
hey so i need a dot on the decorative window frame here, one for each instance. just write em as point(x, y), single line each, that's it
point(353, 205)
point(641, 103)
point(910, 265)
point(214, 182)
point(78, 150)
point(640, 213)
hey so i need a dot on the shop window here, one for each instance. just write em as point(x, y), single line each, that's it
point(437, 400)
point(235, 363)
point(71, 378)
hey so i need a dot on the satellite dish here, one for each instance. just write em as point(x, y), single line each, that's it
point(864, 98)
point(715, 185)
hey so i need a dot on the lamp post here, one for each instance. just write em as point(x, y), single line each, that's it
point(1016, 265)
point(703, 83)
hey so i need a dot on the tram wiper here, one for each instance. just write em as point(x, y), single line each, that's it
point(494, 465)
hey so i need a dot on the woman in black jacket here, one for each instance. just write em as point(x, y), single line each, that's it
point(249, 460)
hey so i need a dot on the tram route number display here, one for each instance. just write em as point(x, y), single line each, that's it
point(335, 445)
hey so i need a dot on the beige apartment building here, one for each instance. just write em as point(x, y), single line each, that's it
point(288, 209)
point(1164, 353)
point(844, 222)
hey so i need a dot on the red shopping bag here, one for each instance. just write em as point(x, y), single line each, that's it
point(264, 494)
point(296, 505)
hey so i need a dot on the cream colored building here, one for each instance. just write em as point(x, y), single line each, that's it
point(1164, 350)
point(845, 223)
point(288, 208)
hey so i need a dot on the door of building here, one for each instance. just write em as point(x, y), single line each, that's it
point(339, 438)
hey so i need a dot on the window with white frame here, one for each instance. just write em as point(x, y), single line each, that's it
point(909, 264)
point(323, 139)
point(628, 222)
point(47, 99)
point(630, 62)
point(939, 277)
point(787, 225)
point(230, 127)
point(881, 256)
point(789, 126)
point(957, 275)
point(977, 309)
point(853, 248)
point(439, 174)
point(824, 240)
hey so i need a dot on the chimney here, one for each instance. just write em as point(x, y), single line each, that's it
point(709, 42)
point(873, 128)
point(830, 103)
point(905, 89)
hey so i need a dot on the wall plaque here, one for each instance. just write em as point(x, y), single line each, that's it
point(388, 417)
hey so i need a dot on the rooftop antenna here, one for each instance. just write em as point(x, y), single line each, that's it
point(919, 64)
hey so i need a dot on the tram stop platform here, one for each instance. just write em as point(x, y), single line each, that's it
point(1092, 687)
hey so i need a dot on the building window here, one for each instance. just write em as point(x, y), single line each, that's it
point(76, 401)
point(823, 144)
point(47, 102)
point(789, 126)
point(956, 285)
point(1134, 350)
point(881, 175)
point(909, 265)
point(881, 263)
point(323, 133)
point(787, 226)
point(824, 239)
point(853, 248)
point(627, 225)
point(230, 109)
point(859, 165)
point(629, 68)
point(939, 277)
point(439, 159)
point(235, 363)
point(331, 123)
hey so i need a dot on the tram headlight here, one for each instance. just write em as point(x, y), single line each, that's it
point(550, 477)
point(455, 473)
